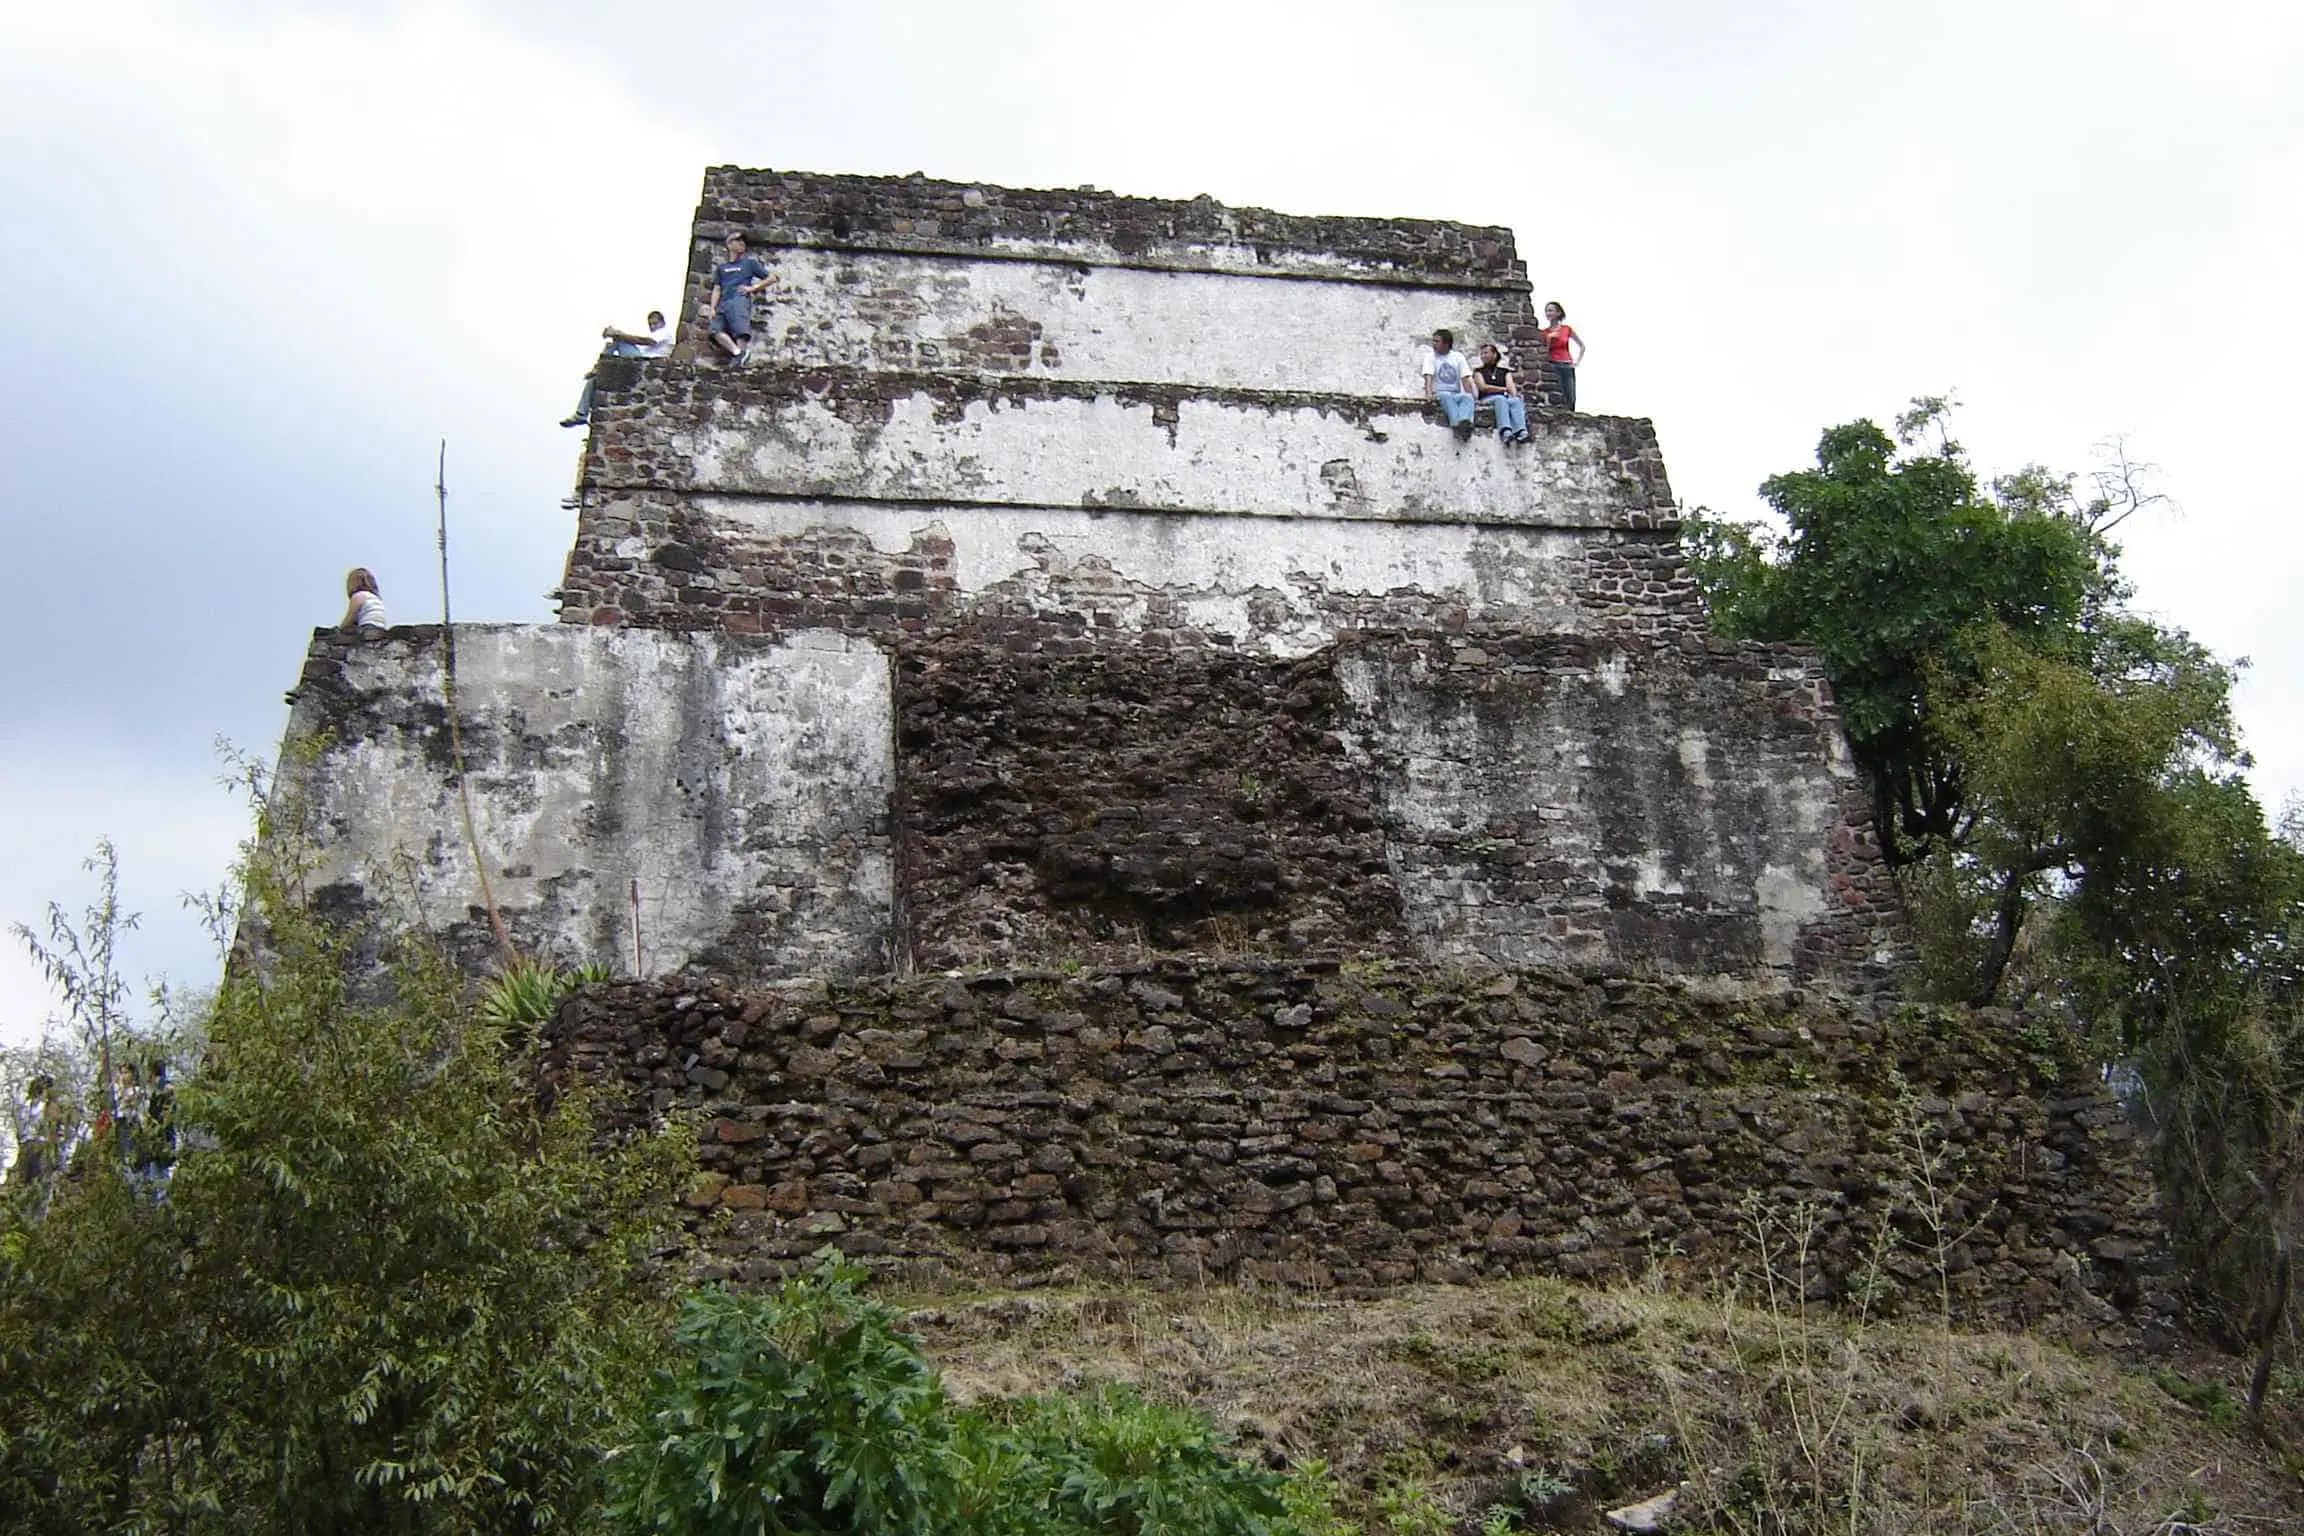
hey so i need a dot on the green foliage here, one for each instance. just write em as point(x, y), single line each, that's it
point(2059, 782)
point(805, 1411)
point(2209, 1398)
point(524, 994)
point(379, 1291)
point(1410, 1508)
point(812, 1411)
point(1308, 1498)
point(1107, 1461)
point(1889, 565)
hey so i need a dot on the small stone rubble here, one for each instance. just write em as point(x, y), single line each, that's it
point(1320, 1125)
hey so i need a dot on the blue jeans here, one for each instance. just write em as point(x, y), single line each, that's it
point(584, 399)
point(1566, 373)
point(1511, 414)
point(1455, 406)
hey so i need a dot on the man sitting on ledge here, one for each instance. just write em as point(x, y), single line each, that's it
point(1495, 382)
point(1444, 371)
point(616, 343)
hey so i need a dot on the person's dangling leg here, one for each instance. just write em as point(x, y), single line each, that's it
point(583, 411)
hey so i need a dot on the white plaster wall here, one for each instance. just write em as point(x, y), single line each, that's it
point(869, 311)
point(744, 787)
point(1615, 775)
point(1246, 457)
point(1277, 586)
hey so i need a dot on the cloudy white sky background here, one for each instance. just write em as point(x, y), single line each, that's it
point(257, 259)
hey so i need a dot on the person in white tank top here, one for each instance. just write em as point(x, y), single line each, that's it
point(363, 609)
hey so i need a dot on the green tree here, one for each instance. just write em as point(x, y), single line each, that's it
point(2058, 775)
point(379, 1291)
point(1891, 563)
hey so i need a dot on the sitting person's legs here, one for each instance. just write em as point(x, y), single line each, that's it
point(583, 411)
point(1511, 415)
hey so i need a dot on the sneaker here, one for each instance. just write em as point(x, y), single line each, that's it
point(1464, 431)
point(573, 421)
point(572, 503)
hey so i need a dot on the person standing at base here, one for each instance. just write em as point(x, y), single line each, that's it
point(1559, 336)
point(1444, 371)
point(616, 343)
point(363, 608)
point(1495, 382)
point(734, 281)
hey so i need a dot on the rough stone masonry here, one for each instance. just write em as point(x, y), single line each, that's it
point(1105, 784)
point(1348, 1127)
point(1072, 575)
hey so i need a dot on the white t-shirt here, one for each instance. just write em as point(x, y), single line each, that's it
point(659, 340)
point(1446, 370)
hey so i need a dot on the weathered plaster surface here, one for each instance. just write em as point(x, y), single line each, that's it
point(888, 311)
point(1274, 586)
point(1256, 456)
point(1554, 801)
point(741, 785)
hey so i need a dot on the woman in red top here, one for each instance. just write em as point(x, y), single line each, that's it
point(1559, 336)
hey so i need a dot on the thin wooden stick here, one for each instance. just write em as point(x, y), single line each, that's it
point(504, 950)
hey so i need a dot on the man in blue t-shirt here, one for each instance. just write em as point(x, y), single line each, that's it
point(729, 300)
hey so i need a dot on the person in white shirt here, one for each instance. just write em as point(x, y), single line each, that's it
point(363, 608)
point(1444, 381)
point(616, 343)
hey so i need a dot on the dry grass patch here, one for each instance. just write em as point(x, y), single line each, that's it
point(1538, 1403)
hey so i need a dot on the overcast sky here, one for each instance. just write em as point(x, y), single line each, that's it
point(259, 258)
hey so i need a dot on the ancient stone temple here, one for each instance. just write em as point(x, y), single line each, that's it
point(1093, 778)
point(1067, 576)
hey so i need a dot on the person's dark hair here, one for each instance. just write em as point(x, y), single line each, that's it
point(744, 235)
point(1445, 336)
point(1489, 346)
point(655, 317)
point(1556, 304)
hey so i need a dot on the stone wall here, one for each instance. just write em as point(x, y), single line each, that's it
point(853, 310)
point(1065, 797)
point(1051, 443)
point(729, 795)
point(1162, 621)
point(904, 212)
point(1011, 789)
point(1556, 799)
point(902, 273)
point(1316, 1126)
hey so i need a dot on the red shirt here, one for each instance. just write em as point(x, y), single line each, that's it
point(1556, 336)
